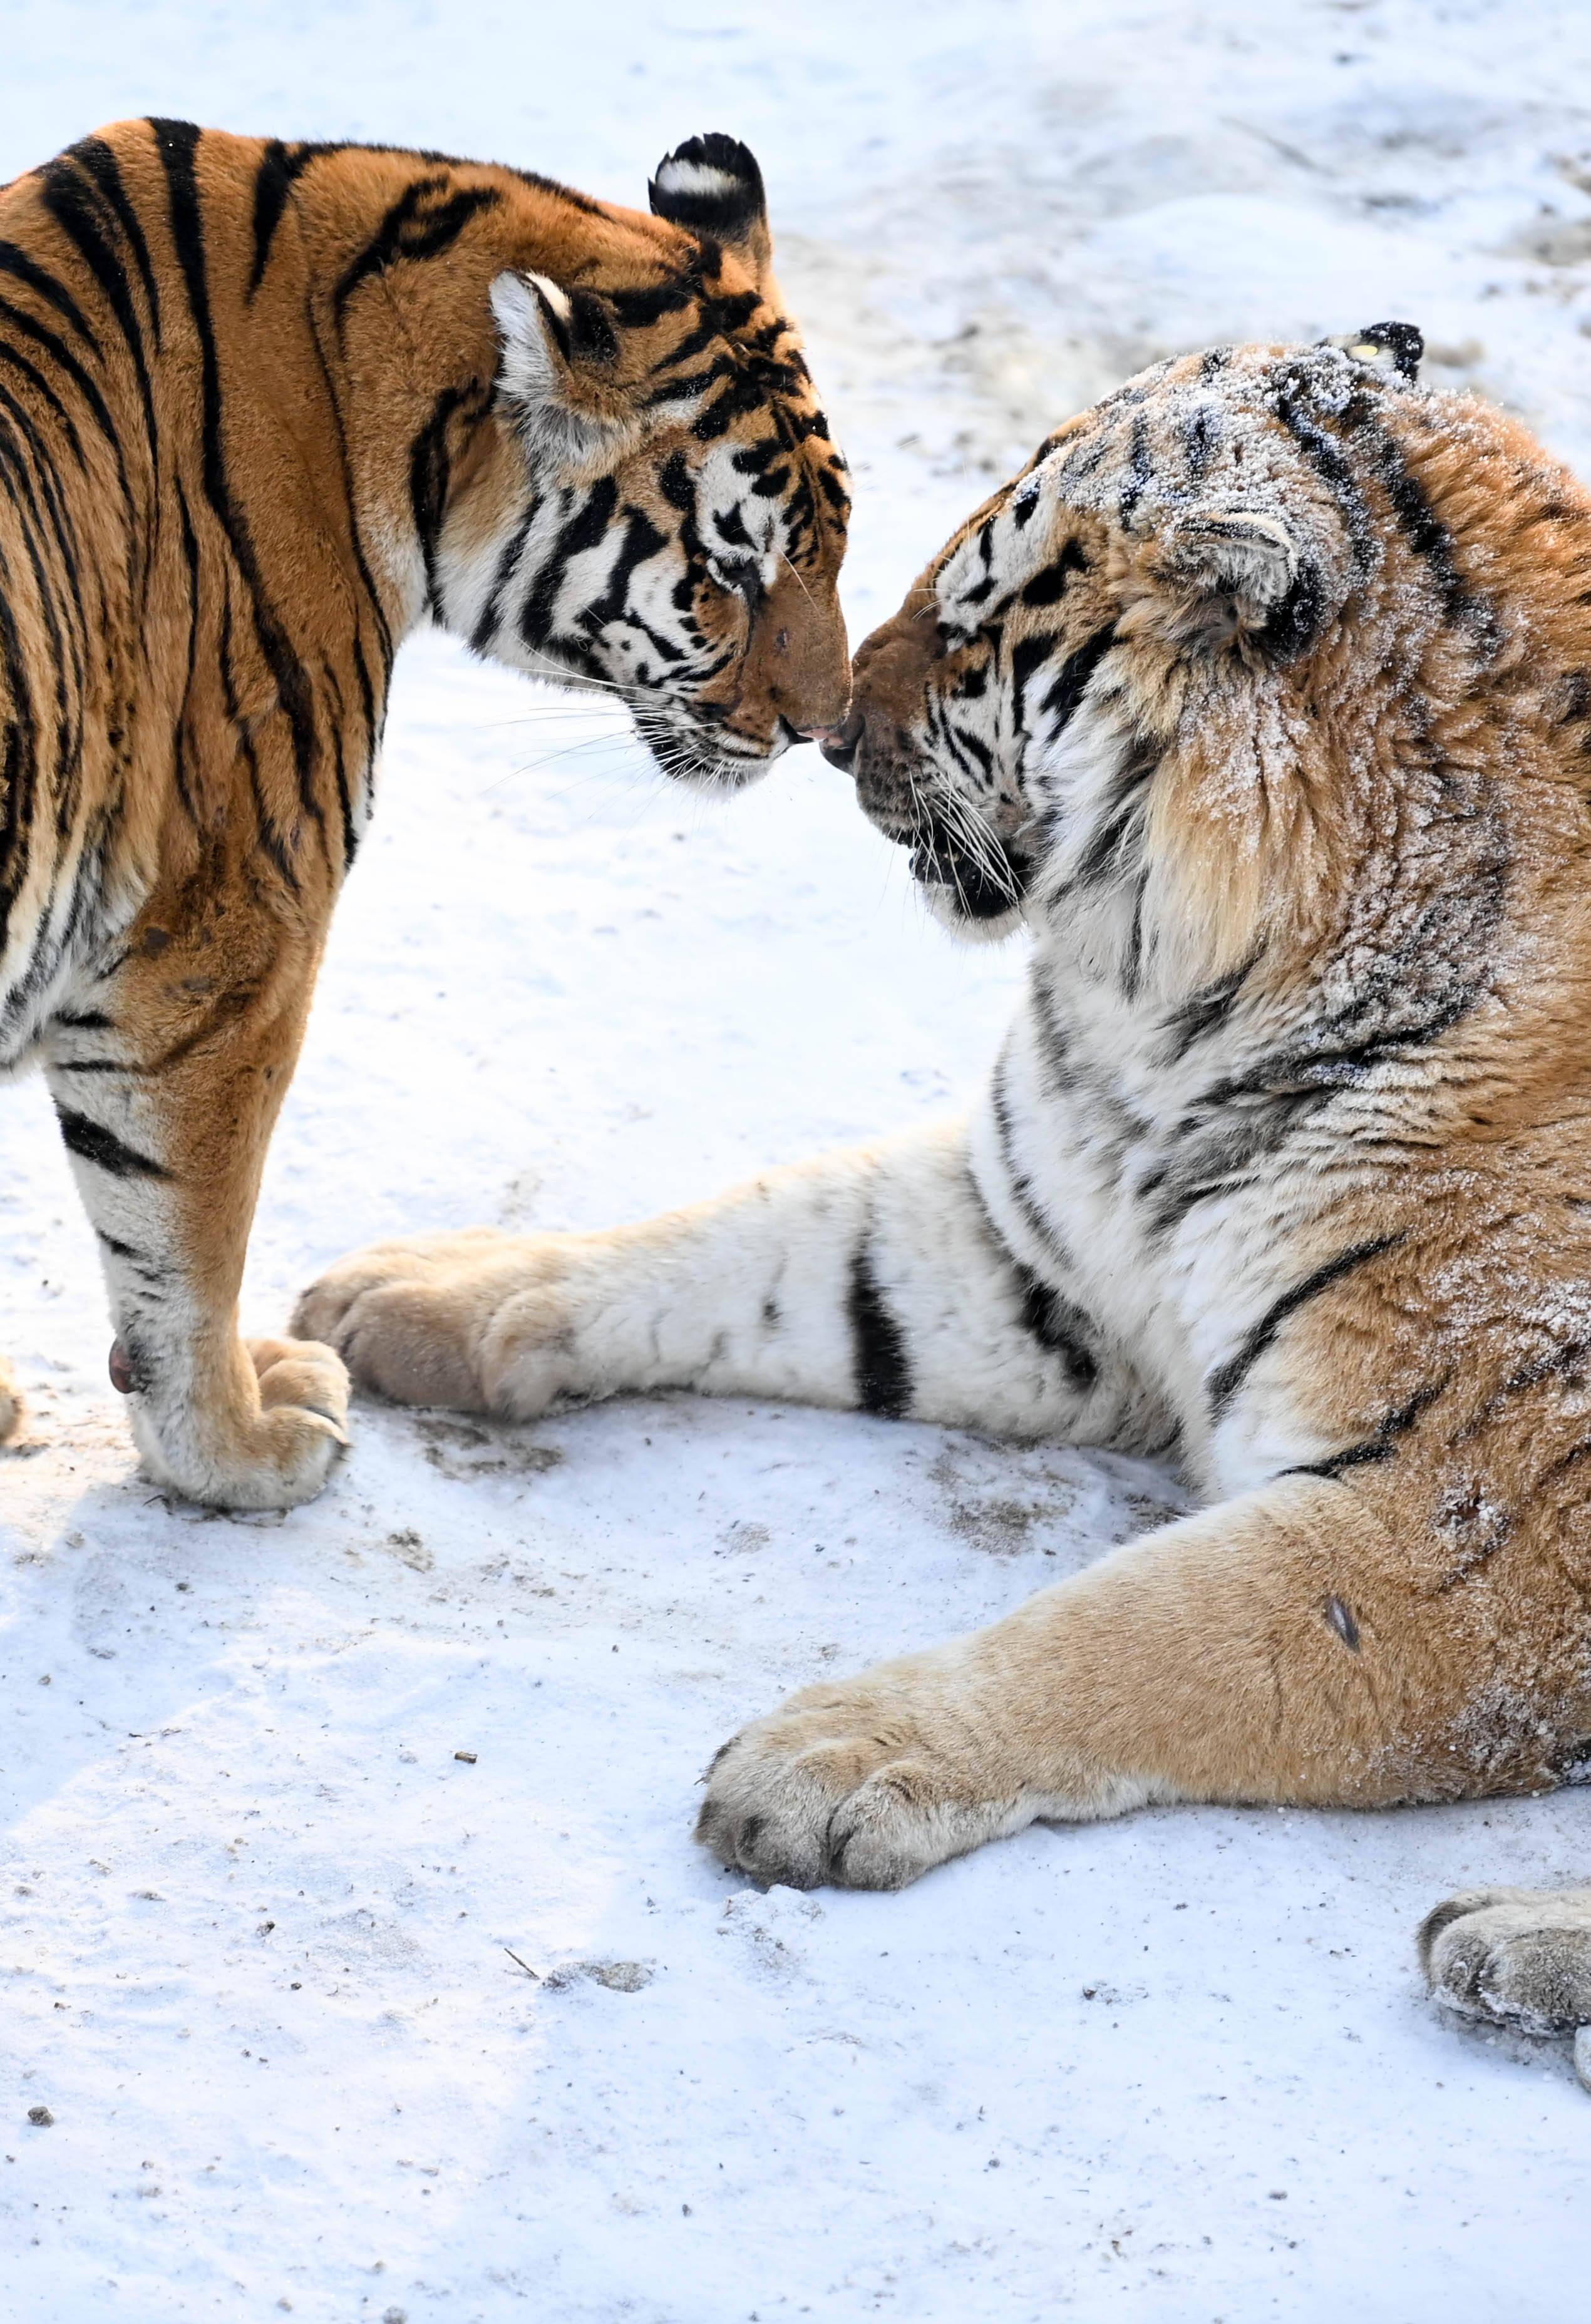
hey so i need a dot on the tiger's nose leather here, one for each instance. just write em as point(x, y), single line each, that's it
point(838, 744)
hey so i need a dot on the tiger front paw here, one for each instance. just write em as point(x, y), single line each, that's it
point(270, 1439)
point(1512, 1955)
point(864, 1785)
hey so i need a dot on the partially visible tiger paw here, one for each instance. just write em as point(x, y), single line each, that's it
point(1512, 1955)
point(266, 1442)
point(418, 1319)
point(11, 1403)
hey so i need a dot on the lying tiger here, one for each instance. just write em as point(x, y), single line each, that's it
point(1261, 696)
point(263, 409)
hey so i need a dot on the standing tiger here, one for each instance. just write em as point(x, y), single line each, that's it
point(263, 409)
point(1261, 696)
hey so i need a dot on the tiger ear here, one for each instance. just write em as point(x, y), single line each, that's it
point(1391, 346)
point(556, 377)
point(713, 188)
point(1235, 572)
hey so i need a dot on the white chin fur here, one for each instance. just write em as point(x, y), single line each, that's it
point(941, 902)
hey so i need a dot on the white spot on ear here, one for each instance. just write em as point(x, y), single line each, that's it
point(556, 296)
point(676, 177)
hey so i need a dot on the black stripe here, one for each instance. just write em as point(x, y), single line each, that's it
point(583, 531)
point(344, 794)
point(41, 387)
point(1022, 1191)
point(94, 158)
point(1056, 1323)
point(190, 560)
point(430, 472)
point(1383, 1443)
point(92, 1143)
point(122, 1249)
point(373, 717)
point(178, 141)
point(642, 541)
point(19, 761)
point(409, 230)
point(1204, 1011)
point(270, 837)
point(18, 263)
point(31, 524)
point(883, 1376)
point(1047, 586)
point(68, 199)
point(62, 354)
point(1325, 456)
point(1108, 842)
point(485, 628)
point(280, 167)
point(1224, 1382)
point(1071, 681)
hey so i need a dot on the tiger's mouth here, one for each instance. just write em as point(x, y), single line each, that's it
point(702, 757)
point(982, 883)
point(971, 877)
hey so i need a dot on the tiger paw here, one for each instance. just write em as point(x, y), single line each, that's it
point(420, 1319)
point(272, 1449)
point(864, 1785)
point(1512, 1955)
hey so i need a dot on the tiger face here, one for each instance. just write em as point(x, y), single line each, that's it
point(1007, 722)
point(665, 514)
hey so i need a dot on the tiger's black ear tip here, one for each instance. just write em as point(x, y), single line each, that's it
point(1403, 343)
point(711, 185)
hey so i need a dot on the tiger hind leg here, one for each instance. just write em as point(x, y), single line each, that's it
point(869, 1279)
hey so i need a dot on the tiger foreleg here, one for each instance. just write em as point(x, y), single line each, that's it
point(1288, 1648)
point(167, 1089)
point(868, 1279)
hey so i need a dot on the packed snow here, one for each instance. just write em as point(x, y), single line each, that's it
point(353, 1940)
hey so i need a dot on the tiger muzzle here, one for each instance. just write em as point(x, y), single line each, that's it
point(896, 787)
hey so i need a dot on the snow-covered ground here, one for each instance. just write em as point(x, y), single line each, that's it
point(255, 1912)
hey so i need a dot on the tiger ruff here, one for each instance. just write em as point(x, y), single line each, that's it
point(1260, 696)
point(264, 408)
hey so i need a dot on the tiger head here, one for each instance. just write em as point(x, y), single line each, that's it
point(667, 518)
point(1206, 524)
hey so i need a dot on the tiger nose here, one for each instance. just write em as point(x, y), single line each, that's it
point(838, 744)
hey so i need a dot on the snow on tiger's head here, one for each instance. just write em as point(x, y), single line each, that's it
point(1176, 659)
